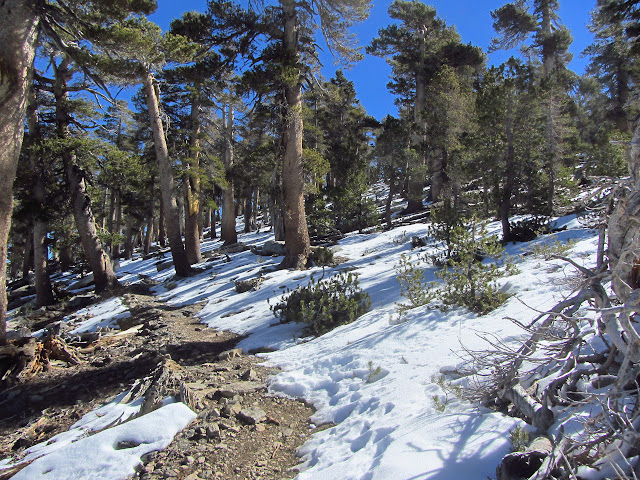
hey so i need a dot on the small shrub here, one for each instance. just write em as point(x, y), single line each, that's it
point(412, 284)
point(324, 305)
point(551, 249)
point(519, 438)
point(467, 281)
point(528, 229)
point(323, 257)
point(374, 373)
point(444, 221)
point(439, 405)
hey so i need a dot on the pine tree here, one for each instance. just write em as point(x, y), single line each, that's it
point(288, 30)
point(612, 63)
point(417, 49)
point(514, 24)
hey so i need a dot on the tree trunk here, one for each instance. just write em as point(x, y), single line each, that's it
point(193, 207)
point(128, 238)
point(162, 235)
point(416, 178)
point(18, 34)
point(180, 260)
point(66, 250)
point(99, 262)
point(27, 259)
point(275, 204)
point(117, 229)
point(44, 291)
point(296, 234)
point(509, 186)
point(387, 206)
point(549, 64)
point(624, 241)
point(228, 232)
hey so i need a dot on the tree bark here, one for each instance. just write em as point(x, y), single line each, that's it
point(27, 259)
point(296, 234)
point(18, 34)
point(416, 179)
point(509, 185)
point(99, 261)
point(44, 291)
point(228, 232)
point(180, 261)
point(193, 207)
point(162, 235)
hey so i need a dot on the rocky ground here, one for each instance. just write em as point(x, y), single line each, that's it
point(241, 431)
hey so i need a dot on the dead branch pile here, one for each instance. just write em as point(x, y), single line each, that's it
point(25, 357)
point(578, 362)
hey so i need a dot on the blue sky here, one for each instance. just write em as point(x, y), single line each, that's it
point(471, 18)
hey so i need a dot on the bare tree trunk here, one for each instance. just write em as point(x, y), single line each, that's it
point(296, 234)
point(180, 261)
point(18, 33)
point(128, 238)
point(66, 251)
point(27, 259)
point(100, 263)
point(193, 204)
point(148, 237)
point(256, 204)
point(162, 235)
point(117, 229)
point(44, 292)
point(387, 206)
point(275, 204)
point(228, 232)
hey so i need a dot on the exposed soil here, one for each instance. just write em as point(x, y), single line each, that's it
point(241, 431)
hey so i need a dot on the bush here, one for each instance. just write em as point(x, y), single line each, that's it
point(323, 257)
point(528, 229)
point(444, 221)
point(410, 275)
point(467, 281)
point(324, 305)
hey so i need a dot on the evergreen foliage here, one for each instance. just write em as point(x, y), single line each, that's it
point(324, 305)
point(466, 280)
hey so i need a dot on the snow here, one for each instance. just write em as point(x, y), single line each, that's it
point(378, 381)
point(105, 455)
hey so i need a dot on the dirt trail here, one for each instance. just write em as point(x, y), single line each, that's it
point(241, 432)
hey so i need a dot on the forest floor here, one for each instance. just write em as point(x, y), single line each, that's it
point(241, 431)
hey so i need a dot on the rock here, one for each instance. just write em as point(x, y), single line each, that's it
point(249, 376)
point(229, 354)
point(231, 410)
point(260, 428)
point(213, 431)
point(274, 248)
point(252, 415)
point(234, 248)
point(239, 388)
point(125, 323)
point(82, 283)
point(160, 266)
point(417, 242)
point(243, 286)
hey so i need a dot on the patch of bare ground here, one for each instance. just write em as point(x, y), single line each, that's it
point(241, 431)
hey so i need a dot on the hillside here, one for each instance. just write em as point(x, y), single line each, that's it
point(383, 387)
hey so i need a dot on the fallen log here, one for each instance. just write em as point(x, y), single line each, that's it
point(25, 357)
point(540, 416)
point(522, 465)
point(164, 381)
